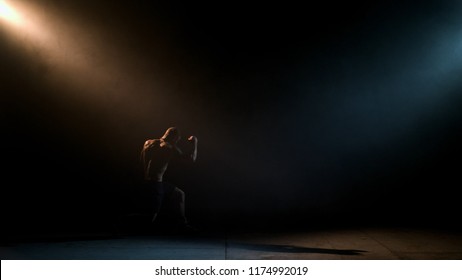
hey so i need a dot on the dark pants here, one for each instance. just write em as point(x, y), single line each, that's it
point(165, 197)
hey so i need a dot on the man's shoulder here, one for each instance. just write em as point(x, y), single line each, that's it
point(151, 142)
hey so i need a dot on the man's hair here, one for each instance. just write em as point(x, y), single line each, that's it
point(172, 134)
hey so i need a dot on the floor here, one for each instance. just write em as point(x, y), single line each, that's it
point(331, 244)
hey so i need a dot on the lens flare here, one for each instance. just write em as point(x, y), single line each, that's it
point(8, 14)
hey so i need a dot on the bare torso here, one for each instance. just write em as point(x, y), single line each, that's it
point(156, 155)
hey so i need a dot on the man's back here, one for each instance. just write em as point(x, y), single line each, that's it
point(155, 155)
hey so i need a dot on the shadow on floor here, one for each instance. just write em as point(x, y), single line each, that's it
point(295, 249)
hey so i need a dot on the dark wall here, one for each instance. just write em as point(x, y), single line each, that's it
point(331, 113)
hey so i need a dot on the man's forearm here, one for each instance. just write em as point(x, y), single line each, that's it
point(193, 140)
point(194, 153)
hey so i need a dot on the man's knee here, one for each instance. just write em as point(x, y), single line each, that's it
point(178, 194)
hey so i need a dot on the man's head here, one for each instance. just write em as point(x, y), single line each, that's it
point(172, 135)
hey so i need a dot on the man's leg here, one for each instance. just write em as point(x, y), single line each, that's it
point(176, 201)
point(178, 205)
point(157, 196)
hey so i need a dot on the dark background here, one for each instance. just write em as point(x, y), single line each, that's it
point(329, 113)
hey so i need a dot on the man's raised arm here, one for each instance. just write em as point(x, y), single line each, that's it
point(193, 140)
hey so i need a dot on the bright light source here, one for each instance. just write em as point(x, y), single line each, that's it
point(9, 14)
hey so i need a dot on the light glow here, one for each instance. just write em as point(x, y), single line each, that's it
point(8, 13)
point(64, 50)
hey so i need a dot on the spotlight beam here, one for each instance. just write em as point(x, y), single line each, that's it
point(8, 14)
